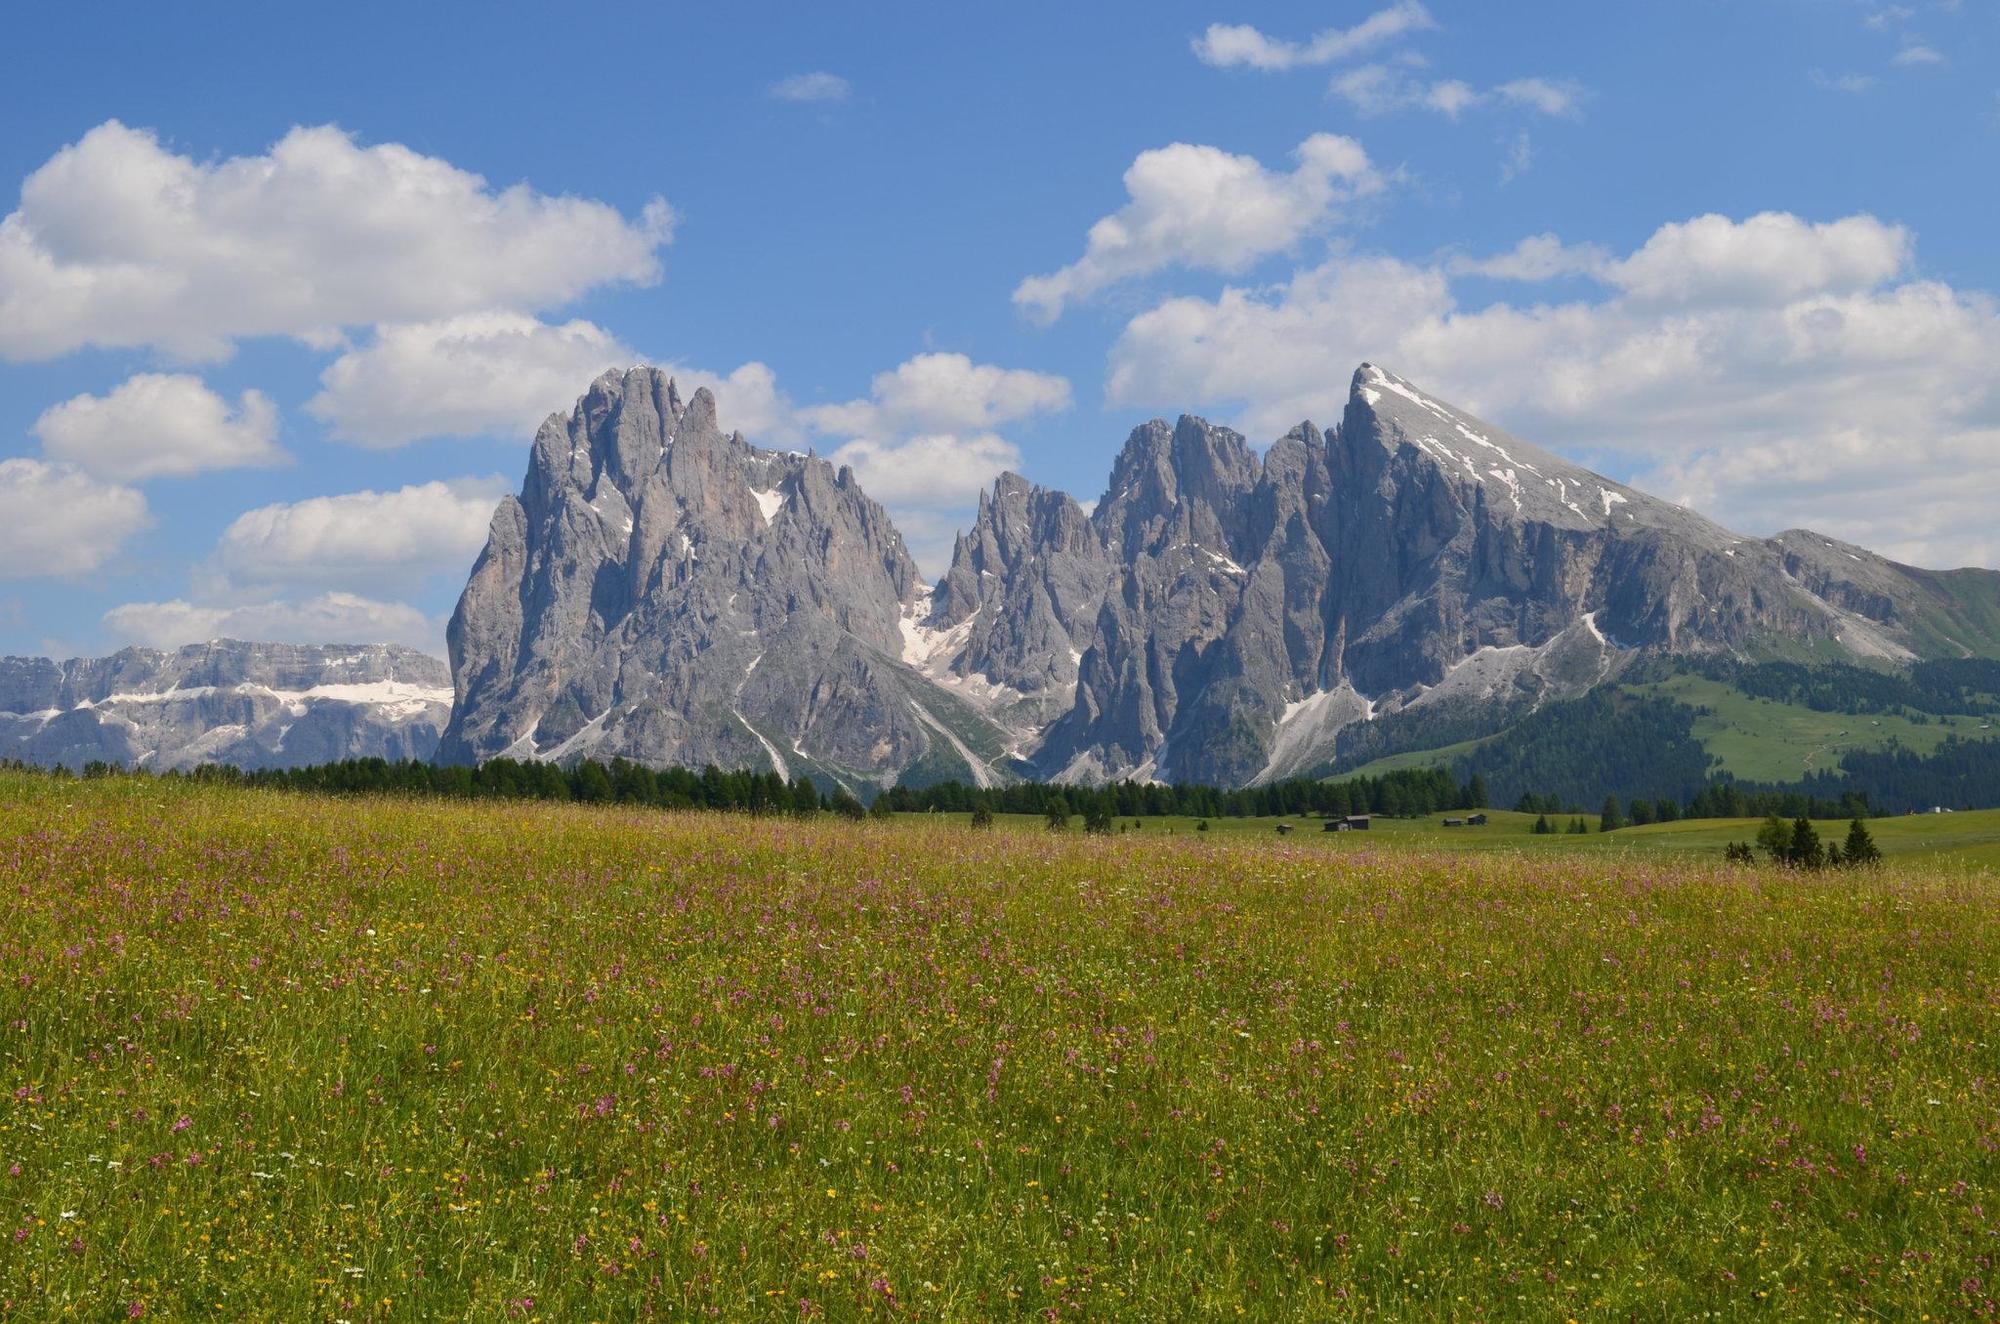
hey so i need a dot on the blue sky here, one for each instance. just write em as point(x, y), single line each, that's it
point(284, 291)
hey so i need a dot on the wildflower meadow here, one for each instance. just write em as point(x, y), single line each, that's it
point(293, 1057)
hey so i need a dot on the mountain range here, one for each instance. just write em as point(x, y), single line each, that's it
point(255, 705)
point(665, 591)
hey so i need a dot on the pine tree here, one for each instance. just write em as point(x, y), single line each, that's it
point(1476, 792)
point(591, 783)
point(1775, 837)
point(1542, 827)
point(1613, 817)
point(1806, 851)
point(1057, 813)
point(982, 817)
point(1861, 847)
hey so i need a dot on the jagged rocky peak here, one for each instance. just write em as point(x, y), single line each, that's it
point(1017, 522)
point(1182, 483)
point(256, 705)
point(1007, 624)
point(670, 593)
point(1520, 480)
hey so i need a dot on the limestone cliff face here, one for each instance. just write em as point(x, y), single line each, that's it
point(1414, 556)
point(666, 592)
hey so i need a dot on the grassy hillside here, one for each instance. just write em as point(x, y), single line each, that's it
point(275, 1056)
point(1758, 740)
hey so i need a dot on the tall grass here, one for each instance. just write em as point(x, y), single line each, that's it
point(268, 1056)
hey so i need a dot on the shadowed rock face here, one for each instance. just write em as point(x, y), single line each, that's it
point(249, 704)
point(665, 592)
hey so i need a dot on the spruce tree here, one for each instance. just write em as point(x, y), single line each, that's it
point(1806, 851)
point(1861, 848)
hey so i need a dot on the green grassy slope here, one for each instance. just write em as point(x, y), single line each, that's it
point(1754, 739)
point(1758, 740)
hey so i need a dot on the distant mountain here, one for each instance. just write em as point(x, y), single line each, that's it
point(253, 705)
point(672, 594)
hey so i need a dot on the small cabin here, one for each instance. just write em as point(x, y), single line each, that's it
point(1454, 822)
point(1477, 820)
point(1284, 829)
point(1351, 823)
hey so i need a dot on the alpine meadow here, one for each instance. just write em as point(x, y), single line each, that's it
point(1277, 660)
point(420, 1060)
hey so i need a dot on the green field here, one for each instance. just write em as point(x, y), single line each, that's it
point(1966, 840)
point(276, 1056)
point(1758, 740)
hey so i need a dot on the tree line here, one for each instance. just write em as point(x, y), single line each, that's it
point(1798, 845)
point(1411, 793)
point(1948, 686)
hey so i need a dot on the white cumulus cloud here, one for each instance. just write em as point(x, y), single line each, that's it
point(1769, 257)
point(499, 374)
point(120, 242)
point(478, 374)
point(57, 521)
point(929, 472)
point(1201, 207)
point(943, 392)
point(359, 539)
point(155, 424)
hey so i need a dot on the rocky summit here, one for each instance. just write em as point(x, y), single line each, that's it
point(254, 705)
point(667, 592)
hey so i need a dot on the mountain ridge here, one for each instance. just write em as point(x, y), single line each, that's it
point(256, 705)
point(665, 591)
point(1217, 615)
